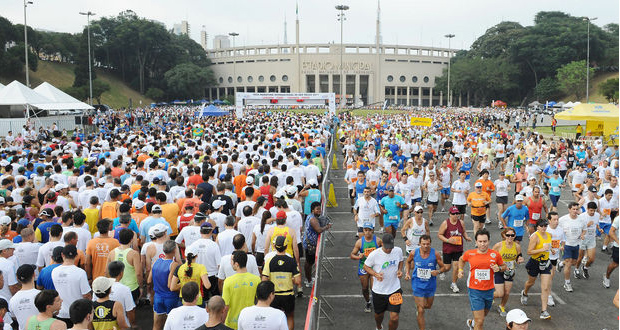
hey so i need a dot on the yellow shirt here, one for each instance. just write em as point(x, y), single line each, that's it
point(542, 256)
point(92, 217)
point(238, 293)
point(170, 212)
point(286, 232)
point(198, 270)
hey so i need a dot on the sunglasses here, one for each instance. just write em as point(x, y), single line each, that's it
point(510, 235)
point(545, 225)
point(420, 212)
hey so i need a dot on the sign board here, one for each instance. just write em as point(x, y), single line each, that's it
point(421, 121)
point(242, 99)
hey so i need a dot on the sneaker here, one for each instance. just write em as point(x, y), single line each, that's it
point(442, 277)
point(606, 282)
point(568, 287)
point(576, 273)
point(430, 222)
point(501, 310)
point(487, 221)
point(308, 284)
point(585, 273)
point(544, 315)
point(300, 292)
point(443, 209)
point(523, 298)
point(559, 266)
point(367, 309)
point(470, 324)
point(604, 249)
point(550, 301)
point(454, 288)
point(500, 225)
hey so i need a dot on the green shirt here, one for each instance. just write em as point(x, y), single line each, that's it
point(238, 293)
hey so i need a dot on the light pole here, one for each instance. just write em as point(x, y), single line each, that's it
point(26, 3)
point(90, 73)
point(234, 35)
point(588, 60)
point(449, 36)
point(341, 18)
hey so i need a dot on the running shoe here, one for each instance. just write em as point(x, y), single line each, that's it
point(487, 221)
point(568, 287)
point(470, 324)
point(559, 266)
point(443, 209)
point(606, 282)
point(442, 277)
point(585, 273)
point(454, 288)
point(308, 284)
point(576, 273)
point(500, 225)
point(523, 298)
point(501, 310)
point(367, 309)
point(430, 222)
point(550, 301)
point(544, 315)
point(300, 293)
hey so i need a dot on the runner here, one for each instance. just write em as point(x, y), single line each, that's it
point(613, 234)
point(413, 229)
point(510, 250)
point(539, 264)
point(366, 209)
point(478, 200)
point(588, 245)
point(483, 264)
point(362, 248)
point(391, 206)
point(425, 264)
point(574, 231)
point(515, 217)
point(535, 205)
point(501, 196)
point(451, 233)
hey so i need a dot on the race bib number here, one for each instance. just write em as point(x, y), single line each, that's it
point(458, 240)
point(535, 216)
point(424, 273)
point(575, 232)
point(373, 183)
point(393, 217)
point(591, 231)
point(606, 212)
point(367, 251)
point(510, 264)
point(555, 189)
point(396, 299)
point(578, 185)
point(482, 274)
point(555, 243)
point(518, 223)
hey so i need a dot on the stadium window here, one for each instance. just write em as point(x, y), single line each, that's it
point(414, 79)
point(402, 78)
point(284, 78)
point(272, 78)
point(261, 78)
point(426, 79)
point(250, 79)
point(239, 79)
point(390, 78)
point(221, 80)
point(230, 80)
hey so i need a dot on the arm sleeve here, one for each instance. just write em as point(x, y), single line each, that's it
point(84, 286)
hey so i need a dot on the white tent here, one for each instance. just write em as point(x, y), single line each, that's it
point(1, 86)
point(569, 104)
point(17, 93)
point(60, 98)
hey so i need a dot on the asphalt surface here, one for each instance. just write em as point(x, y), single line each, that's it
point(588, 307)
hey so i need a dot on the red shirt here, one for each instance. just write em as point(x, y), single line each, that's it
point(196, 179)
point(480, 272)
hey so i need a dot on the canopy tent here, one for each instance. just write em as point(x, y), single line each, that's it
point(534, 104)
point(601, 119)
point(498, 103)
point(60, 98)
point(569, 104)
point(218, 102)
point(212, 110)
point(1, 86)
point(559, 105)
point(550, 104)
point(17, 93)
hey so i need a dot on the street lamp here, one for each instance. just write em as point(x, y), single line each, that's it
point(90, 73)
point(234, 35)
point(588, 60)
point(449, 36)
point(341, 18)
point(26, 3)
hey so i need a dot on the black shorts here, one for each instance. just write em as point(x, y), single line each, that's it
point(260, 259)
point(501, 199)
point(285, 303)
point(462, 208)
point(432, 203)
point(479, 218)
point(534, 270)
point(310, 256)
point(300, 248)
point(213, 291)
point(498, 278)
point(351, 193)
point(614, 254)
point(448, 258)
point(135, 295)
point(381, 303)
point(554, 262)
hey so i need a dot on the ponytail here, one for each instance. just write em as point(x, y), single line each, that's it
point(189, 270)
point(263, 221)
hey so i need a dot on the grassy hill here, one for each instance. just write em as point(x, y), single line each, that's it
point(61, 75)
point(594, 89)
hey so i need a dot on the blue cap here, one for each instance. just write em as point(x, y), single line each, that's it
point(368, 225)
point(23, 222)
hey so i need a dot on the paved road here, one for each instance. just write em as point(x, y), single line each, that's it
point(588, 307)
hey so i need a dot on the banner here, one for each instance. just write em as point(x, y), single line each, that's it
point(421, 121)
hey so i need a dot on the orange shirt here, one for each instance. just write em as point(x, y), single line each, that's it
point(195, 179)
point(10, 235)
point(254, 198)
point(239, 182)
point(98, 250)
point(138, 217)
point(117, 172)
point(487, 186)
point(480, 272)
point(170, 212)
point(80, 260)
point(194, 200)
point(143, 157)
point(134, 187)
point(478, 202)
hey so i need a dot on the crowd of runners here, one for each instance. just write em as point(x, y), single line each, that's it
point(208, 220)
point(399, 176)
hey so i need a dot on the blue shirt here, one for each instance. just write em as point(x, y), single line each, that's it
point(132, 225)
point(314, 195)
point(519, 216)
point(400, 160)
point(45, 277)
point(429, 264)
point(548, 170)
point(161, 269)
point(149, 222)
point(393, 211)
point(555, 186)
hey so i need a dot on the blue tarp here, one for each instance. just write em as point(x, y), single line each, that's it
point(211, 110)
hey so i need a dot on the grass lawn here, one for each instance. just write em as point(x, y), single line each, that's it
point(558, 130)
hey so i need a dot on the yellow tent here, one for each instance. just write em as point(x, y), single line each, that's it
point(601, 119)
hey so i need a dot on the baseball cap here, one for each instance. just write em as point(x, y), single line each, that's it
point(156, 209)
point(519, 198)
point(60, 186)
point(368, 225)
point(47, 212)
point(23, 222)
point(280, 242)
point(291, 190)
point(281, 215)
point(102, 284)
point(313, 182)
point(530, 160)
point(69, 251)
point(517, 316)
point(200, 216)
point(531, 178)
point(133, 172)
point(206, 225)
point(388, 241)
point(478, 185)
point(138, 204)
point(418, 208)
point(192, 249)
point(5, 220)
point(25, 271)
point(218, 203)
point(454, 210)
point(390, 188)
point(6, 244)
point(249, 180)
point(159, 229)
point(278, 194)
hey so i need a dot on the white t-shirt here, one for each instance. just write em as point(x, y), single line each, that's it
point(26, 253)
point(71, 283)
point(226, 270)
point(245, 226)
point(591, 229)
point(260, 237)
point(83, 234)
point(366, 210)
point(186, 317)
point(460, 198)
point(45, 253)
point(225, 241)
point(241, 205)
point(501, 187)
point(208, 254)
point(387, 264)
point(8, 272)
point(189, 234)
point(22, 306)
point(404, 190)
point(295, 222)
point(572, 229)
point(615, 224)
point(577, 179)
point(605, 206)
point(264, 318)
point(557, 234)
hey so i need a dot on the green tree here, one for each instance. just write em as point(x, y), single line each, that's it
point(81, 63)
point(188, 80)
point(547, 89)
point(609, 89)
point(99, 87)
point(155, 93)
point(572, 78)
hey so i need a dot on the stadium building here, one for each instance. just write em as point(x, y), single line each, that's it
point(372, 73)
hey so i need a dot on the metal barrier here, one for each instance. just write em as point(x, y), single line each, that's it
point(16, 124)
point(321, 263)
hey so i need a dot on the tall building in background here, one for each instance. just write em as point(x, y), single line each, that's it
point(180, 29)
point(221, 41)
point(203, 38)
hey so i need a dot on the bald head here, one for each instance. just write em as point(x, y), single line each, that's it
point(215, 305)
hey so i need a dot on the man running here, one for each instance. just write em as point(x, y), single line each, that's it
point(575, 231)
point(451, 233)
point(362, 248)
point(391, 205)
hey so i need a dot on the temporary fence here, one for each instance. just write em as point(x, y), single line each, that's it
point(16, 124)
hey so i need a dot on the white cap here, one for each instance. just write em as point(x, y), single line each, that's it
point(519, 197)
point(313, 182)
point(517, 316)
point(278, 194)
point(218, 203)
point(291, 190)
point(102, 284)
point(249, 180)
point(60, 186)
point(5, 220)
point(193, 249)
point(157, 229)
point(6, 244)
point(418, 208)
point(133, 172)
point(138, 204)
